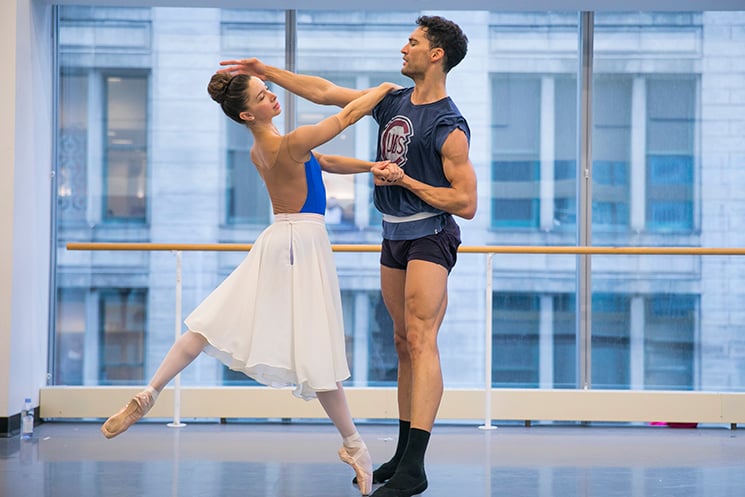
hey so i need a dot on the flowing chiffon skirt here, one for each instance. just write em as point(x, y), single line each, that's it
point(278, 317)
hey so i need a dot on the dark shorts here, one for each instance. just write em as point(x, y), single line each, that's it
point(440, 248)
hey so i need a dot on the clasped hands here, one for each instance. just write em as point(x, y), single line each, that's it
point(386, 173)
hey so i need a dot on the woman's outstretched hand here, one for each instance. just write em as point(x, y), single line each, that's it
point(250, 67)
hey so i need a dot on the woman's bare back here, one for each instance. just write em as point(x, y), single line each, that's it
point(283, 175)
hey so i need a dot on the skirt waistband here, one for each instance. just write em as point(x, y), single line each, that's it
point(299, 216)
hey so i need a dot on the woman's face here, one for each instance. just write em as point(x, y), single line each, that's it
point(261, 104)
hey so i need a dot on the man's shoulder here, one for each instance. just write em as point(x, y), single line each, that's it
point(402, 91)
point(398, 97)
point(392, 102)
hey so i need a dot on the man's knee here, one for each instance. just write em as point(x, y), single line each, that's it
point(421, 342)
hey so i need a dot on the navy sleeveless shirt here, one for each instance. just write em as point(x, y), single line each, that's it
point(412, 136)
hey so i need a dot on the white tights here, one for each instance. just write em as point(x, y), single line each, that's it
point(334, 402)
point(190, 345)
point(182, 353)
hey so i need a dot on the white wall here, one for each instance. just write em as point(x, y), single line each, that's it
point(25, 166)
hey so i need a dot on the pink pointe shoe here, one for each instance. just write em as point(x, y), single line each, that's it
point(129, 414)
point(362, 465)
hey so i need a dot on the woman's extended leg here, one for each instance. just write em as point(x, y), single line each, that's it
point(182, 353)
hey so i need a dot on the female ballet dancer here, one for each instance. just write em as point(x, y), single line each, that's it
point(277, 317)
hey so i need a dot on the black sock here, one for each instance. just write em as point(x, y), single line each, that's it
point(386, 470)
point(410, 473)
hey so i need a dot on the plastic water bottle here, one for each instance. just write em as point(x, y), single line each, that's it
point(27, 420)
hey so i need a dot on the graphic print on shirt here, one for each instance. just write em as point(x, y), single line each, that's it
point(395, 139)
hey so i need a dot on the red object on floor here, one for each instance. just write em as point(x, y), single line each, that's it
point(674, 425)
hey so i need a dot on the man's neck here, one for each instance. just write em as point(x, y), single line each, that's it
point(428, 90)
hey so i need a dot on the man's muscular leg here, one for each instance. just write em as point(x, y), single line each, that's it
point(425, 297)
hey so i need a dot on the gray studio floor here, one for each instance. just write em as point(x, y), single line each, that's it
point(299, 459)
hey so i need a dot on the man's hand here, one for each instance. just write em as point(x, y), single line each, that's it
point(386, 173)
point(250, 67)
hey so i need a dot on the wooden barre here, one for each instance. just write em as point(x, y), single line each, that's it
point(486, 249)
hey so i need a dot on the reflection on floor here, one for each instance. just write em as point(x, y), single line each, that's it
point(299, 459)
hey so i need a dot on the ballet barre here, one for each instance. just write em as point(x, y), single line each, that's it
point(488, 250)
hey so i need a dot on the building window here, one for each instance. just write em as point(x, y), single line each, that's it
point(610, 340)
point(515, 328)
point(125, 154)
point(670, 151)
point(122, 318)
point(669, 340)
point(515, 161)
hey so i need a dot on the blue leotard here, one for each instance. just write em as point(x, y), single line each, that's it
point(315, 202)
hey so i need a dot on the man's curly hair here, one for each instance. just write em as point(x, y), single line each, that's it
point(447, 35)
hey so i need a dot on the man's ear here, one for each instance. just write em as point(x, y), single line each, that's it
point(436, 54)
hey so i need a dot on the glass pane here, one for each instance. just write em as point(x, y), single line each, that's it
point(532, 195)
point(671, 74)
point(72, 182)
point(349, 197)
point(350, 214)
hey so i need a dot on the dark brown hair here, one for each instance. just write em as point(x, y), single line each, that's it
point(447, 35)
point(230, 92)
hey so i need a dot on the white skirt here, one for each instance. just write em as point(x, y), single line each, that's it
point(278, 317)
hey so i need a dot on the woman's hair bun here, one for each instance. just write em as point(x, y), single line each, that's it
point(218, 86)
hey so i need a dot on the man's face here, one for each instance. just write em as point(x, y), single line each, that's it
point(416, 54)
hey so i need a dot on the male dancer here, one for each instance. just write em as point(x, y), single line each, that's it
point(422, 131)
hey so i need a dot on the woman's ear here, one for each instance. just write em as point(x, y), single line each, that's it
point(246, 116)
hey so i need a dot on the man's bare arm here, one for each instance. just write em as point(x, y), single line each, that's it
point(461, 197)
point(316, 89)
point(306, 138)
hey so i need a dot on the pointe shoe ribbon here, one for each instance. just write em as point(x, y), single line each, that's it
point(362, 465)
point(128, 415)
